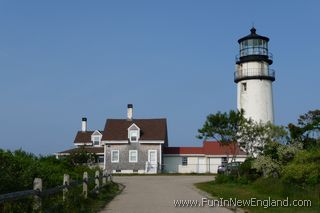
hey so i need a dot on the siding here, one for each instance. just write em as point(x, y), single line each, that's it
point(124, 164)
point(173, 164)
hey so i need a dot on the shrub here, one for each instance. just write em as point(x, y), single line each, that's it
point(247, 171)
point(267, 166)
point(304, 169)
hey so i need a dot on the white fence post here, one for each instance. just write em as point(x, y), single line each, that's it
point(37, 185)
point(85, 185)
point(66, 182)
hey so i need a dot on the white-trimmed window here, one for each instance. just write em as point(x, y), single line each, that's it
point(134, 135)
point(96, 140)
point(114, 156)
point(184, 161)
point(133, 156)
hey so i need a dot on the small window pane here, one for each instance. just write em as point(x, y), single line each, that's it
point(184, 161)
point(115, 156)
point(133, 156)
point(133, 135)
point(96, 140)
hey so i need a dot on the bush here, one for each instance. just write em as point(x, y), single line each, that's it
point(247, 172)
point(19, 168)
point(24, 167)
point(267, 166)
point(304, 169)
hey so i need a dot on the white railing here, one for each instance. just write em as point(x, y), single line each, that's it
point(151, 168)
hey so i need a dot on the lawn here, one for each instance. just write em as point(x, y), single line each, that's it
point(263, 189)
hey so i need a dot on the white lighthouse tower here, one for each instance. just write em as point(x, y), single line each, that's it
point(254, 78)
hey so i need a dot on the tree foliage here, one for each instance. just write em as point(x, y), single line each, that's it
point(234, 129)
point(254, 136)
point(307, 130)
point(304, 169)
point(82, 157)
point(19, 168)
point(224, 128)
point(291, 154)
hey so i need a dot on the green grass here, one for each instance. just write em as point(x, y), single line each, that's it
point(263, 189)
point(106, 194)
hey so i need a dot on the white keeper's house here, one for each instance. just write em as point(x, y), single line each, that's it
point(141, 146)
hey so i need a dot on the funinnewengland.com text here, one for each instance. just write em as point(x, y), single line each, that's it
point(253, 202)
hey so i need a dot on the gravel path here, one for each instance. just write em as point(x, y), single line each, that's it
point(145, 194)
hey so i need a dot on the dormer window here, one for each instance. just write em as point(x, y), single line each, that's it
point(96, 138)
point(133, 133)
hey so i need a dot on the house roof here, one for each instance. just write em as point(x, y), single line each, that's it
point(208, 148)
point(216, 148)
point(84, 137)
point(183, 150)
point(150, 129)
point(88, 149)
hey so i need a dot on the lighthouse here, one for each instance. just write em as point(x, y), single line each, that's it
point(254, 78)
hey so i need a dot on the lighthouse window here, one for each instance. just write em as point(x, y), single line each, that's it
point(244, 86)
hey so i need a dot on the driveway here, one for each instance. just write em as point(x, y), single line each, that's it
point(145, 194)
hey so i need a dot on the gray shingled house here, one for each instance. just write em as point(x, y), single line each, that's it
point(126, 145)
point(134, 145)
point(88, 141)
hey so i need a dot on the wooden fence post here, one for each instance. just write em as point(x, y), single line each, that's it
point(110, 176)
point(85, 185)
point(97, 181)
point(66, 182)
point(104, 178)
point(37, 185)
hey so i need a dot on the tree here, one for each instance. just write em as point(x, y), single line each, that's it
point(254, 136)
point(307, 131)
point(82, 156)
point(224, 128)
point(235, 130)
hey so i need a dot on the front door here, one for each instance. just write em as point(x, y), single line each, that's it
point(152, 164)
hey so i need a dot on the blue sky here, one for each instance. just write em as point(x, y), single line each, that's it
point(61, 60)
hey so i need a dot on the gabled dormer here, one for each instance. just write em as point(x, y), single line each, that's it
point(133, 133)
point(96, 138)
